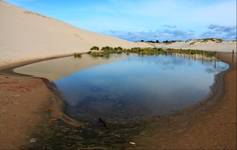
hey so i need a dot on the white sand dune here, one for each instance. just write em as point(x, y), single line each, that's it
point(27, 36)
point(225, 46)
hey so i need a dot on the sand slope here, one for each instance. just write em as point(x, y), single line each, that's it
point(26, 35)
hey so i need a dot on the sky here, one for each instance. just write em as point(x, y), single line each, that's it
point(137, 20)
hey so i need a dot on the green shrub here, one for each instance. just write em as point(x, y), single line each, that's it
point(95, 48)
point(77, 55)
point(106, 51)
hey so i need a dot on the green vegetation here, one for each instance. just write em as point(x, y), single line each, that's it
point(62, 136)
point(147, 51)
point(169, 42)
point(150, 41)
point(192, 52)
point(95, 48)
point(106, 51)
point(77, 55)
point(213, 40)
point(216, 40)
point(192, 43)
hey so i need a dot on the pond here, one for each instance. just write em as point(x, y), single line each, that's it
point(124, 88)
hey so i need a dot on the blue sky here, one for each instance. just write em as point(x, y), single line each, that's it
point(144, 19)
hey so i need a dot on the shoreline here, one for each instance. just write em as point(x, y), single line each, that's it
point(59, 110)
point(11, 66)
point(216, 95)
point(47, 105)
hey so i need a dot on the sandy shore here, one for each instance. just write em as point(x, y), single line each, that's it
point(27, 102)
point(24, 101)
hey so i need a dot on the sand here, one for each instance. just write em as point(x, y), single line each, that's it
point(225, 46)
point(24, 102)
point(27, 36)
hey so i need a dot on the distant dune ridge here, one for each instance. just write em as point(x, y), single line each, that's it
point(25, 35)
point(220, 46)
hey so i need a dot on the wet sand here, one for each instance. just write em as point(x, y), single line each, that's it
point(52, 68)
point(27, 102)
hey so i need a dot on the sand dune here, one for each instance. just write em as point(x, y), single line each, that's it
point(26, 36)
point(225, 46)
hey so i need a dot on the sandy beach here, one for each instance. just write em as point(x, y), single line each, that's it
point(27, 103)
point(24, 103)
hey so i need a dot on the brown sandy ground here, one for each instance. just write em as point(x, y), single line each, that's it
point(209, 126)
point(25, 102)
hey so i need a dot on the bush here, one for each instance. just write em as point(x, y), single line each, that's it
point(77, 55)
point(95, 48)
point(106, 51)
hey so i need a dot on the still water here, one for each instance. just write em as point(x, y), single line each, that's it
point(128, 88)
point(138, 87)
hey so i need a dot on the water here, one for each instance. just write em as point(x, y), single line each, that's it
point(137, 87)
point(123, 91)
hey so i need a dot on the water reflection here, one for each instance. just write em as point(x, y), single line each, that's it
point(138, 87)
